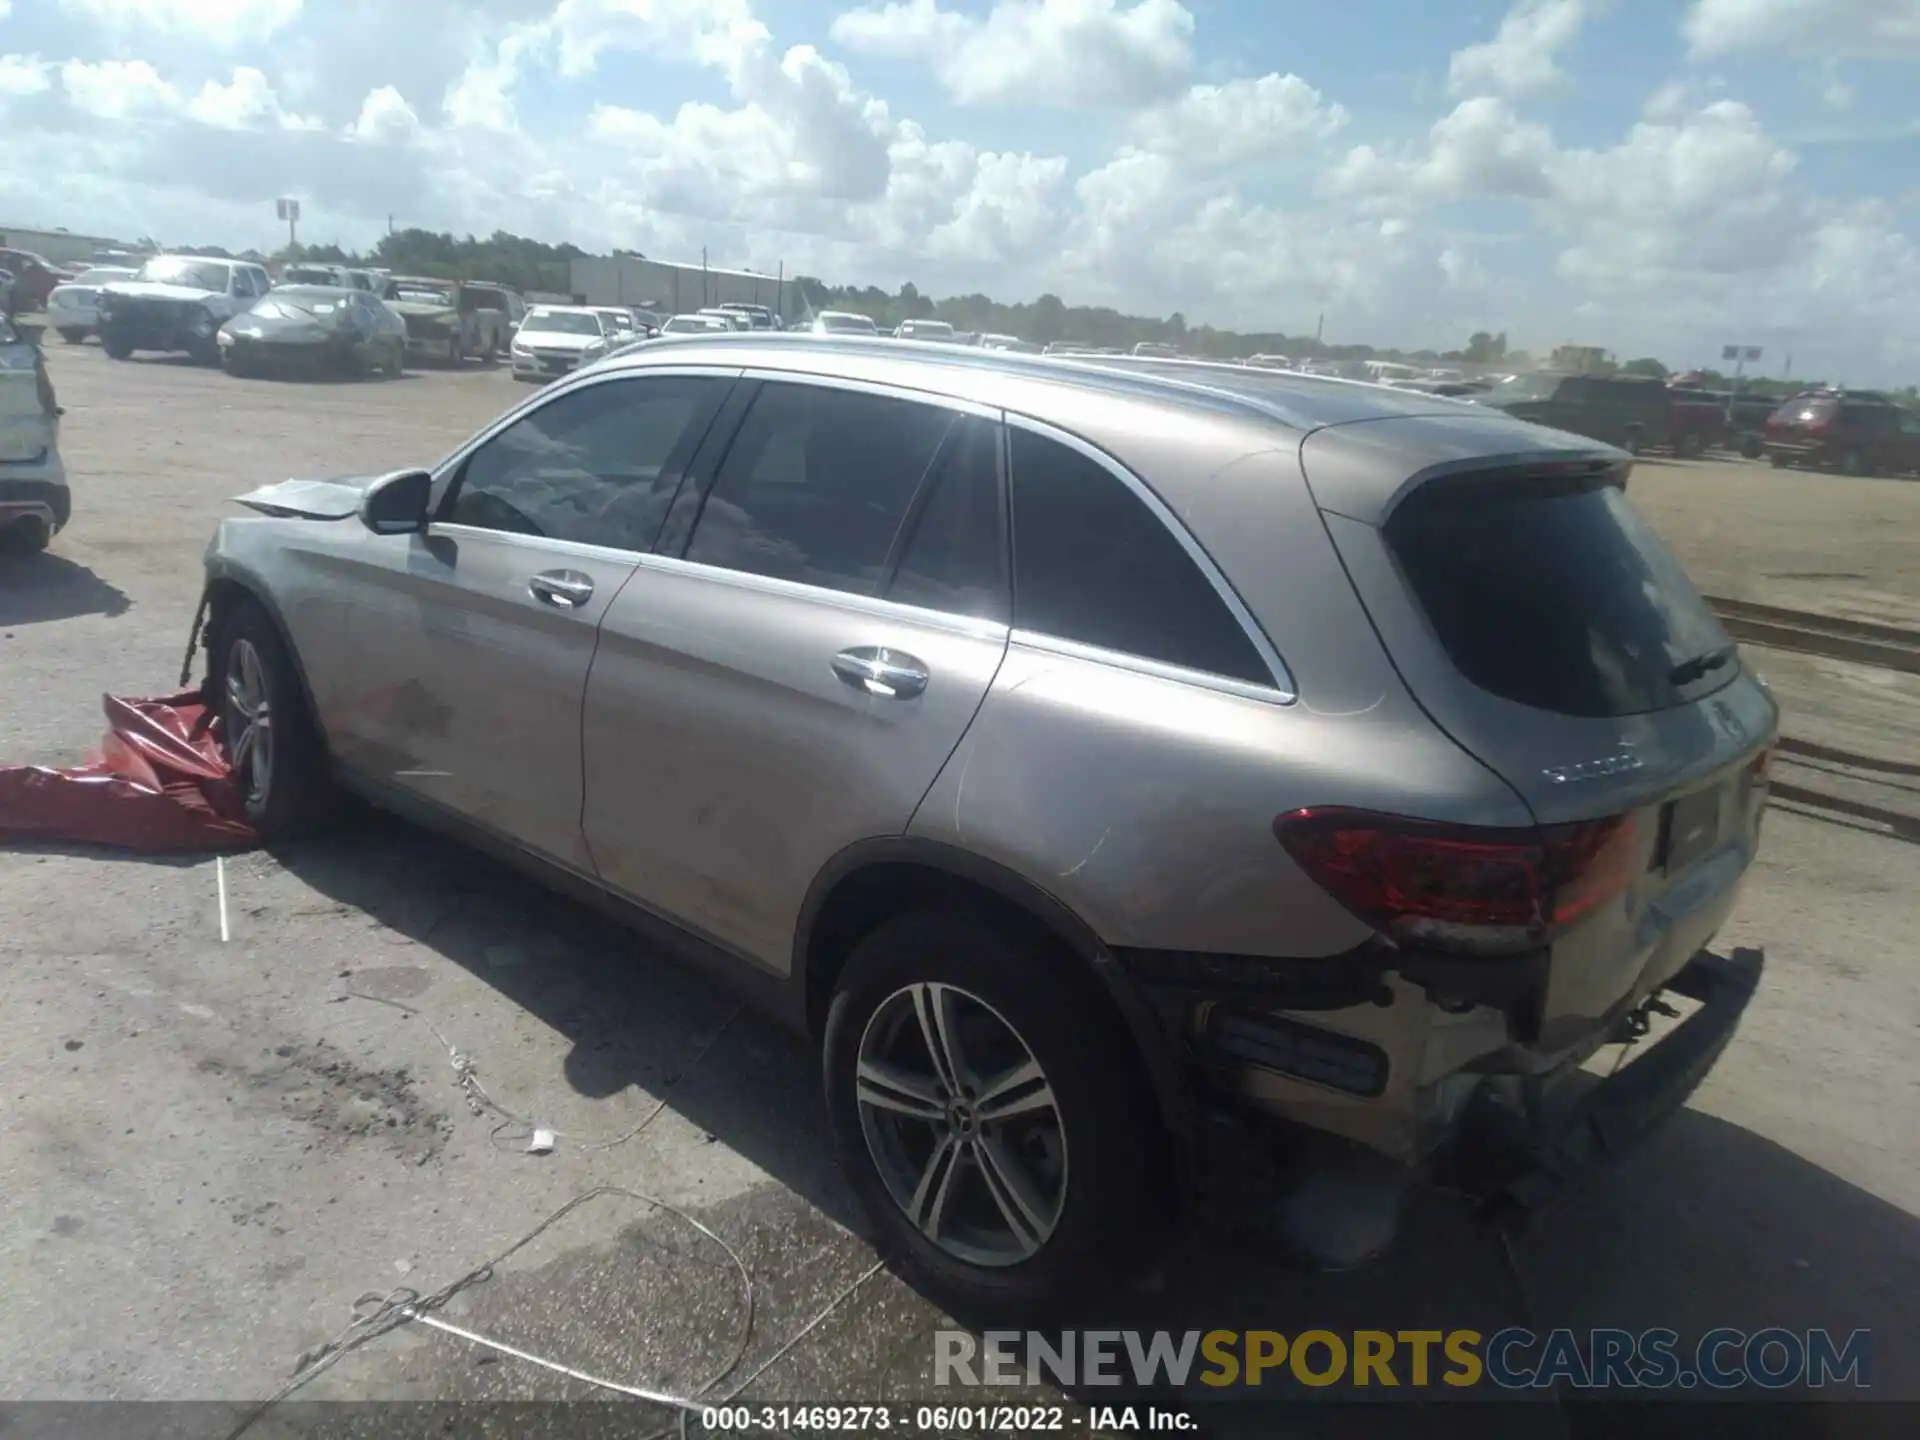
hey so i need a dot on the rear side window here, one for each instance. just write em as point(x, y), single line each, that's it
point(1092, 563)
point(816, 484)
point(1556, 596)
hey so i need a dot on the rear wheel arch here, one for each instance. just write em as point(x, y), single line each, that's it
point(872, 881)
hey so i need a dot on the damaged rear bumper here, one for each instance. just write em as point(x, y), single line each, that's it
point(47, 502)
point(1524, 1157)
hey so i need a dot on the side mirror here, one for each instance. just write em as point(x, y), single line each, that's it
point(396, 504)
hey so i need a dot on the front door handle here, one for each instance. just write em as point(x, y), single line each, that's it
point(876, 670)
point(567, 589)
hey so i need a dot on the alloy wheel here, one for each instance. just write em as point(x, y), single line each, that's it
point(962, 1124)
point(250, 723)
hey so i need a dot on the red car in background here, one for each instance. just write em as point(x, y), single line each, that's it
point(34, 277)
point(1857, 432)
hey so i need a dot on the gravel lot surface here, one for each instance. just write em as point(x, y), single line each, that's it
point(208, 1150)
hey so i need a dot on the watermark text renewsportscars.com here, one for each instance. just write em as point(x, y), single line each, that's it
point(1511, 1359)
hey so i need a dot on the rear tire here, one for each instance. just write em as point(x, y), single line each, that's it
point(73, 337)
point(118, 347)
point(1689, 445)
point(269, 734)
point(23, 538)
point(1779, 462)
point(1853, 463)
point(1032, 1209)
point(1634, 442)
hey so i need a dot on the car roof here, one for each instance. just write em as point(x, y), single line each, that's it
point(567, 309)
point(304, 289)
point(1365, 466)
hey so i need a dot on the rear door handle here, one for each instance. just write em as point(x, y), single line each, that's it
point(567, 589)
point(876, 670)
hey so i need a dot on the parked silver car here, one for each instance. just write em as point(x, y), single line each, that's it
point(1326, 753)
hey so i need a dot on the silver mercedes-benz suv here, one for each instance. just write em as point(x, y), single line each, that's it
point(1071, 748)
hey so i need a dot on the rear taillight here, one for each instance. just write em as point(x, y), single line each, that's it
point(1461, 887)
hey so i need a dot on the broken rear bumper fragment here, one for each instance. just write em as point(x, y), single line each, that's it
point(1521, 1161)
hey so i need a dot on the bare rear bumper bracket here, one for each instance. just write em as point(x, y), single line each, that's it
point(1516, 1166)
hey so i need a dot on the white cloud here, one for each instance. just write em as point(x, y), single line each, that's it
point(1035, 52)
point(1523, 56)
point(1482, 147)
point(23, 74)
point(211, 22)
point(248, 102)
point(1224, 125)
point(385, 118)
point(117, 89)
point(1884, 28)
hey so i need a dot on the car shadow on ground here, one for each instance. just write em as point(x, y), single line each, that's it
point(1707, 1226)
point(48, 586)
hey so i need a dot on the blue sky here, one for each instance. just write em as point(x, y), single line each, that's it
point(1655, 176)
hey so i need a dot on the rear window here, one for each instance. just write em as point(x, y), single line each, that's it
point(1805, 411)
point(1557, 595)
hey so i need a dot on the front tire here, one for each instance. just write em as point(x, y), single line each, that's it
point(72, 336)
point(117, 346)
point(992, 1119)
point(1853, 463)
point(271, 740)
point(1689, 446)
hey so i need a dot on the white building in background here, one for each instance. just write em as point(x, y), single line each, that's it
point(668, 288)
point(62, 247)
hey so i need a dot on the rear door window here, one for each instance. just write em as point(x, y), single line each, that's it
point(954, 557)
point(1092, 563)
point(816, 484)
point(1558, 596)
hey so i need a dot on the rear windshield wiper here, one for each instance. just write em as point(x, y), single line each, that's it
point(1688, 671)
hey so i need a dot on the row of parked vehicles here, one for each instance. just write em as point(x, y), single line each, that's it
point(333, 317)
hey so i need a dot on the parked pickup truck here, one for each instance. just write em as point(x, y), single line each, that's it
point(453, 320)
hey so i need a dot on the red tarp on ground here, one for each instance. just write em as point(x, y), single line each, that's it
point(158, 784)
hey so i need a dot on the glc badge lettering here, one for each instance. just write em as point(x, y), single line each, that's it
point(1620, 763)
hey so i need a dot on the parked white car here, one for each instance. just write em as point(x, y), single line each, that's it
point(178, 302)
point(697, 325)
point(73, 308)
point(34, 500)
point(843, 322)
point(554, 340)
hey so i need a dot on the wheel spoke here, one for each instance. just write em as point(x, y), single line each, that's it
point(939, 1028)
point(928, 1208)
point(887, 1087)
point(262, 732)
point(238, 697)
point(1020, 1206)
point(242, 750)
point(1023, 1090)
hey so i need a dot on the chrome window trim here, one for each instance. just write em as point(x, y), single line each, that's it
point(1283, 691)
point(872, 606)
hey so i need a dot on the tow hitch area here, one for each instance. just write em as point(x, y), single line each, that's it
point(1520, 1159)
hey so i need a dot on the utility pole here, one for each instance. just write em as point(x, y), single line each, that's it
point(706, 284)
point(1319, 327)
point(780, 293)
point(389, 224)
